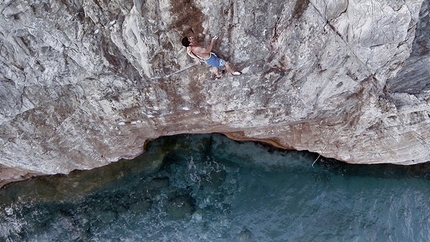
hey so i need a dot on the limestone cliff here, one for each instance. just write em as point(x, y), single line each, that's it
point(86, 82)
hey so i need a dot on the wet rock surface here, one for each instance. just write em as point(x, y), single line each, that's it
point(85, 83)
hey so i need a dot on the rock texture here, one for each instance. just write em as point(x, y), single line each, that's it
point(86, 82)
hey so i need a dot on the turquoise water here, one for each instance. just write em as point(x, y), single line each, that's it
point(210, 188)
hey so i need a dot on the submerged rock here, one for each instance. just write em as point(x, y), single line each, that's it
point(158, 183)
point(244, 236)
point(83, 84)
point(141, 206)
point(213, 179)
point(180, 207)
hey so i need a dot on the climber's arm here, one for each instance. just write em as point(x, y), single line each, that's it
point(211, 46)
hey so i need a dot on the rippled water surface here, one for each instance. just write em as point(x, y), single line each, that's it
point(210, 188)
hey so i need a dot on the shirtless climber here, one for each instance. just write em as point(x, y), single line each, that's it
point(195, 50)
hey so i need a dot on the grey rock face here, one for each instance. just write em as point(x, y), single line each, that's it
point(84, 83)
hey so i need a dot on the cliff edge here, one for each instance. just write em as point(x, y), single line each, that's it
point(85, 83)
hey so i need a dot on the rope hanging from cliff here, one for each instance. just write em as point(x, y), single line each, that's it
point(316, 160)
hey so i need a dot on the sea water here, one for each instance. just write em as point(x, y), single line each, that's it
point(210, 188)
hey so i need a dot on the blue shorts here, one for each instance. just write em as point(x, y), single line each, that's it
point(215, 61)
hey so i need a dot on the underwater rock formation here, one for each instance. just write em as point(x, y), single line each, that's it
point(86, 82)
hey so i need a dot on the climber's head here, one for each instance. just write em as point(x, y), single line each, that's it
point(189, 41)
point(185, 42)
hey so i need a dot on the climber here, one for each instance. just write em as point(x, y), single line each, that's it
point(195, 50)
